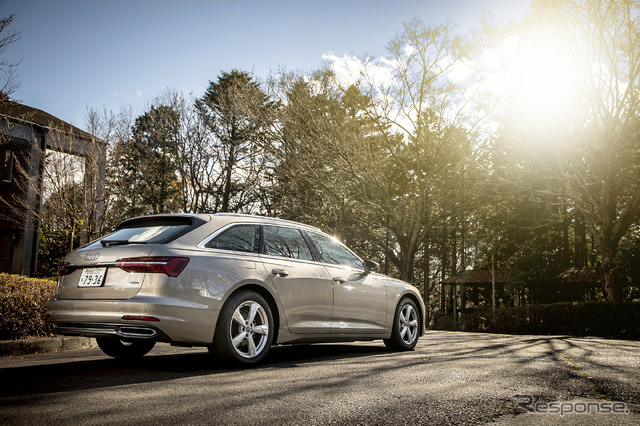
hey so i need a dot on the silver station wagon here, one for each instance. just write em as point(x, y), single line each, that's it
point(237, 284)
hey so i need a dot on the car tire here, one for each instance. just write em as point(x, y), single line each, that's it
point(406, 327)
point(120, 349)
point(245, 329)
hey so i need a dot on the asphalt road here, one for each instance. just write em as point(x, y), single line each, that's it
point(451, 378)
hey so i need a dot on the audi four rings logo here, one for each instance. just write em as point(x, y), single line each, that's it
point(89, 257)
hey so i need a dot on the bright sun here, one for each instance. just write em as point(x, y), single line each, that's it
point(543, 92)
point(544, 84)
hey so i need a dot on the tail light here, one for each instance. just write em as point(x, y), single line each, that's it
point(64, 269)
point(171, 266)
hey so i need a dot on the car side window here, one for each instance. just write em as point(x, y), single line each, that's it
point(238, 237)
point(285, 242)
point(333, 252)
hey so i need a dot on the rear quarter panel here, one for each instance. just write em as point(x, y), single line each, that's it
point(211, 277)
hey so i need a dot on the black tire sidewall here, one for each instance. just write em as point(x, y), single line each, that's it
point(396, 342)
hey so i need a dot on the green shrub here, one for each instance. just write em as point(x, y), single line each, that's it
point(442, 322)
point(605, 319)
point(23, 306)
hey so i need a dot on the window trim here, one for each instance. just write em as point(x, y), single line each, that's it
point(317, 252)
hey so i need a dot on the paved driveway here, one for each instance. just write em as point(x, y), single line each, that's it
point(461, 378)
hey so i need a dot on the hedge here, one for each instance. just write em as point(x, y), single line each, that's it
point(23, 306)
point(605, 319)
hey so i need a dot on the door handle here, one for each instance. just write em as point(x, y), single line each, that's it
point(339, 280)
point(279, 272)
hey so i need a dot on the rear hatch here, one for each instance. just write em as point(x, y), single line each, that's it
point(114, 267)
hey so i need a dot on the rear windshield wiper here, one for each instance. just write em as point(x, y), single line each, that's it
point(107, 243)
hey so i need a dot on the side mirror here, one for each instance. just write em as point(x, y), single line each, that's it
point(370, 266)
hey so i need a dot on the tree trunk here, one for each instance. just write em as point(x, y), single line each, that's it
point(580, 250)
point(493, 284)
point(443, 273)
point(454, 305)
point(426, 291)
point(406, 268)
point(71, 235)
point(226, 195)
point(611, 288)
point(566, 250)
point(609, 247)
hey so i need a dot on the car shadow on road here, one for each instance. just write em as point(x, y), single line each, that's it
point(290, 356)
point(159, 365)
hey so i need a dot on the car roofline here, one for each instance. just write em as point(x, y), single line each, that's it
point(211, 217)
point(270, 220)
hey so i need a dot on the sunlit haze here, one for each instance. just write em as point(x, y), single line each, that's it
point(544, 85)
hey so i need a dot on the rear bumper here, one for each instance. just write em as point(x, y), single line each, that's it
point(122, 331)
point(176, 321)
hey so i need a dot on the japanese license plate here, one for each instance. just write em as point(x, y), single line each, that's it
point(92, 277)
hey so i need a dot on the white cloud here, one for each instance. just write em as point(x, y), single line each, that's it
point(138, 92)
point(346, 68)
point(349, 69)
point(409, 50)
point(378, 77)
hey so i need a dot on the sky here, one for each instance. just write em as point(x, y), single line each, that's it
point(79, 54)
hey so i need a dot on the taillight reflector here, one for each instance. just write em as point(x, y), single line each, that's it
point(139, 318)
point(171, 266)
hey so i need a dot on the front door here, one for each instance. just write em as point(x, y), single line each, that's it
point(360, 299)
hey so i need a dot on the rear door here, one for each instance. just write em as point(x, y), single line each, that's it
point(302, 284)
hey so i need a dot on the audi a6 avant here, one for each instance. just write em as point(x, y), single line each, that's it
point(236, 284)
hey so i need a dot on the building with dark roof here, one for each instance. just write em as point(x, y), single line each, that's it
point(26, 134)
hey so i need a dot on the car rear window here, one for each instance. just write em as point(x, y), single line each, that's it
point(158, 230)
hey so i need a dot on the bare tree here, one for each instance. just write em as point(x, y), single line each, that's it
point(388, 157)
point(200, 173)
point(423, 174)
point(8, 68)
